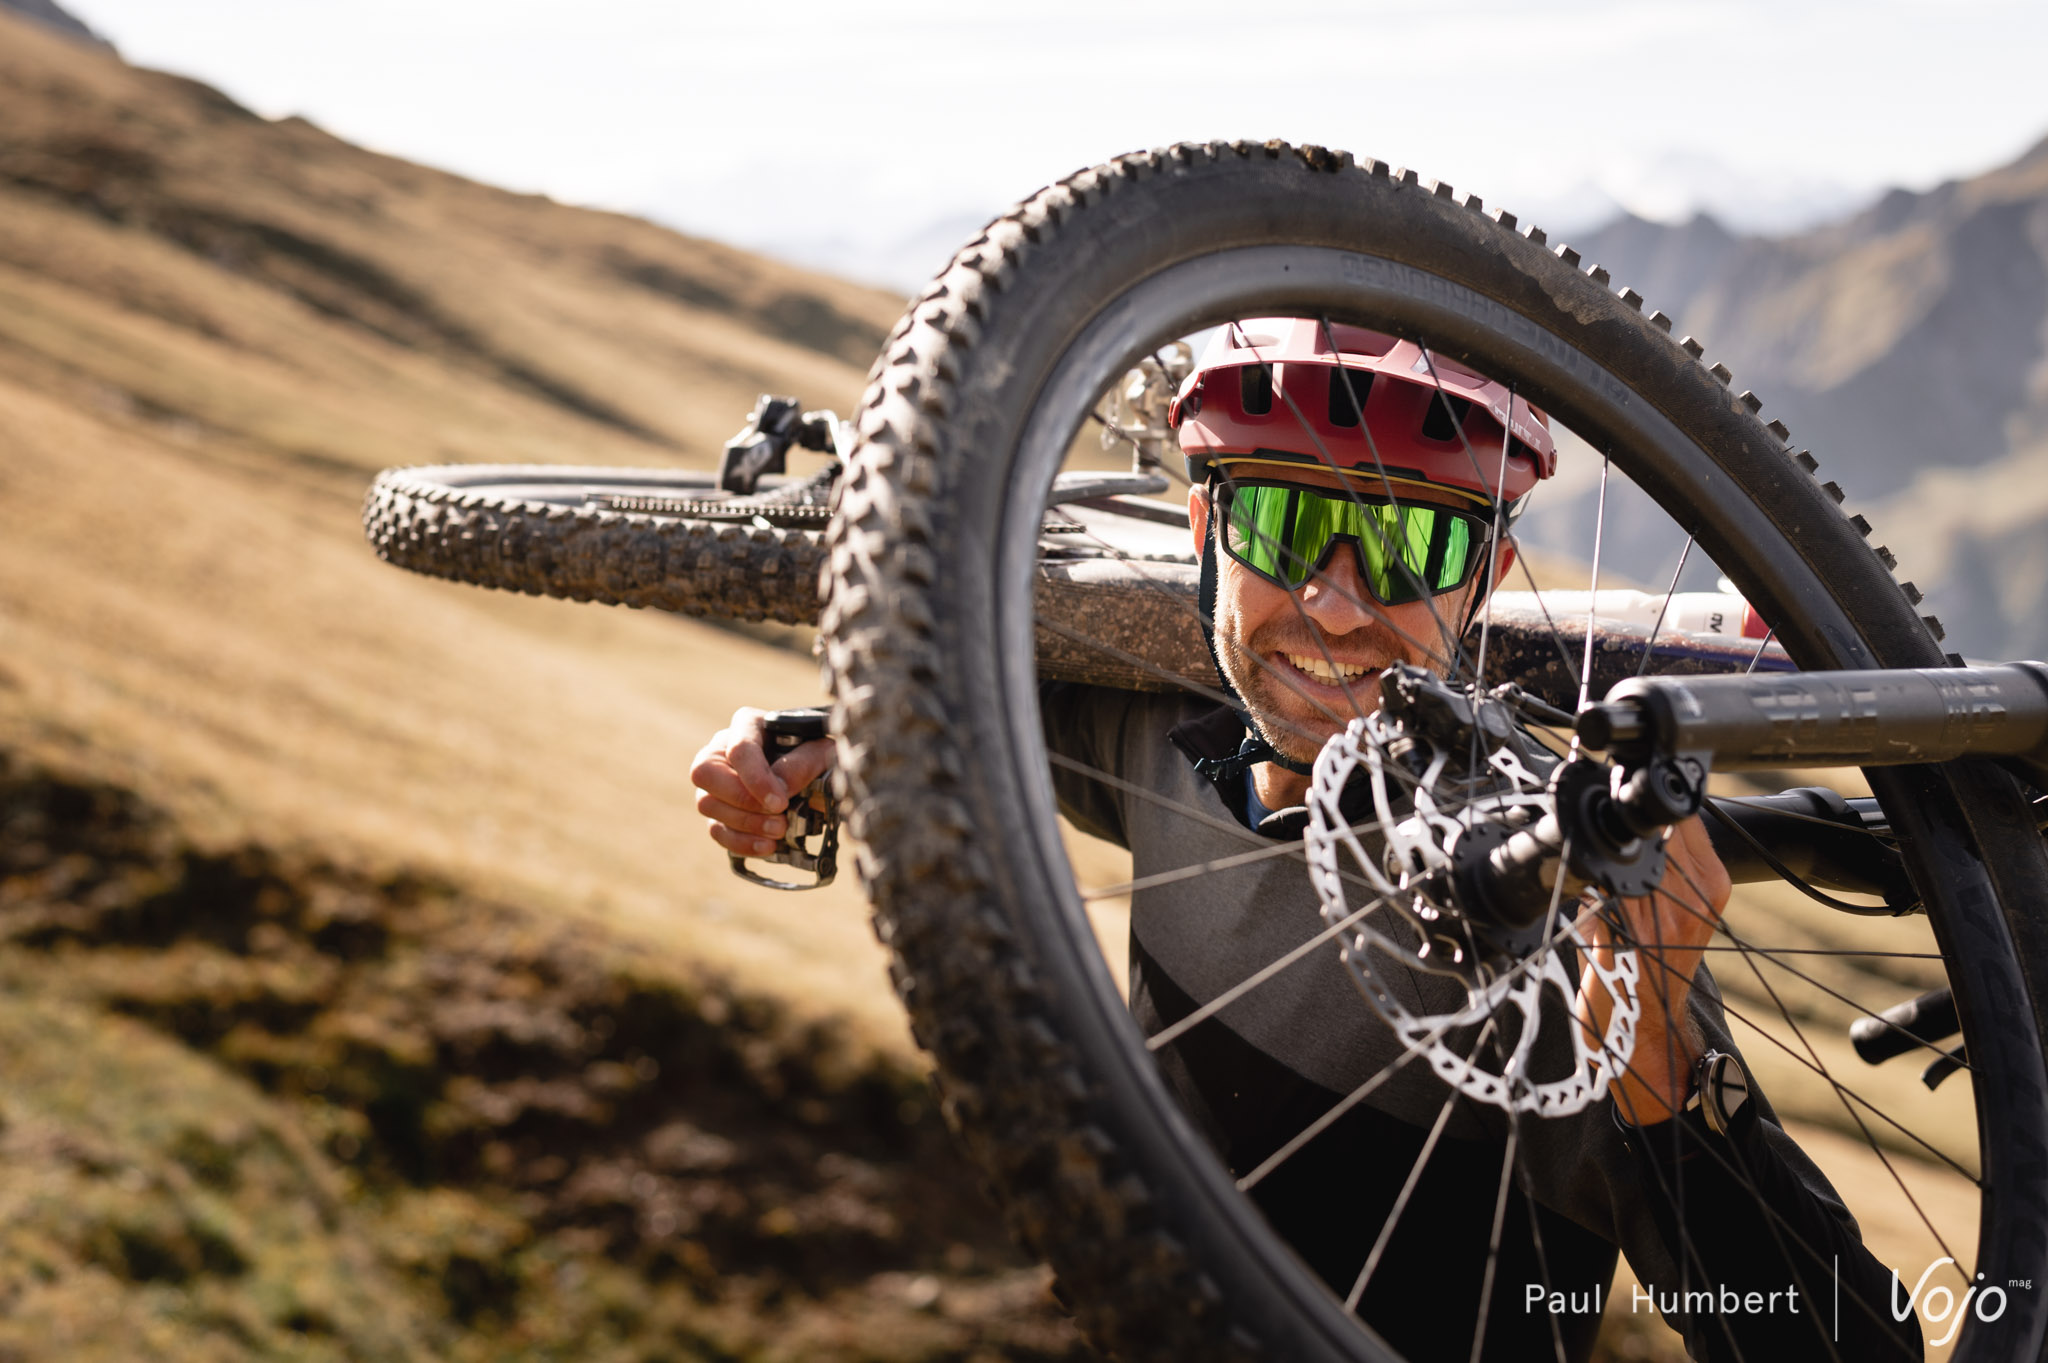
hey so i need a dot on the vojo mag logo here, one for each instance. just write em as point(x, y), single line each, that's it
point(1952, 1311)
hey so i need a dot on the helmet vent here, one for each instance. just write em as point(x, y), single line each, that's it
point(1255, 389)
point(1446, 414)
point(1348, 391)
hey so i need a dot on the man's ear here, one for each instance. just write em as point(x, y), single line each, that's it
point(1198, 515)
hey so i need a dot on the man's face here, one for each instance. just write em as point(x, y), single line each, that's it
point(1277, 647)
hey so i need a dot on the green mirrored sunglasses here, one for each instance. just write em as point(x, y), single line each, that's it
point(1285, 532)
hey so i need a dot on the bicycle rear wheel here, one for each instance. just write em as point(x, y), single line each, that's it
point(671, 540)
point(660, 538)
point(947, 783)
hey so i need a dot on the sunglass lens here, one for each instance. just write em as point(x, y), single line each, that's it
point(1405, 552)
point(1261, 532)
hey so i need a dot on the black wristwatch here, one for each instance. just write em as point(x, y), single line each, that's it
point(1720, 1090)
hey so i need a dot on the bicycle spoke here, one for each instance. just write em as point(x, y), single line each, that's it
point(1203, 817)
point(1848, 1093)
point(1749, 953)
point(1771, 954)
point(1324, 1122)
point(1593, 594)
point(1500, 1216)
point(1665, 608)
point(1254, 980)
point(1507, 438)
point(1680, 1134)
point(1358, 1095)
point(1774, 1220)
point(1535, 1226)
point(1757, 657)
point(1132, 788)
point(1386, 1233)
point(1842, 1093)
point(1556, 635)
point(1159, 878)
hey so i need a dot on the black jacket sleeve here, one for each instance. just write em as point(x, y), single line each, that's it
point(1084, 730)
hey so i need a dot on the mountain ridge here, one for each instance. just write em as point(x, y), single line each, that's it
point(58, 19)
point(1902, 344)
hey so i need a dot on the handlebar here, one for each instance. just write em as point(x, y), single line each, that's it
point(1862, 719)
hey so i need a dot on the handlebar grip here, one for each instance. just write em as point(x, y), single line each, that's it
point(1906, 1026)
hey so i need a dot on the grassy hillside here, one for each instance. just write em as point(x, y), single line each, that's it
point(213, 330)
point(370, 989)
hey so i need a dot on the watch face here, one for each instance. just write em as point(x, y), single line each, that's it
point(1724, 1090)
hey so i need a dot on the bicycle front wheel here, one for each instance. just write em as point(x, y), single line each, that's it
point(1156, 1226)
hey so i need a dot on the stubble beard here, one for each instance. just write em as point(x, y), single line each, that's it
point(1297, 725)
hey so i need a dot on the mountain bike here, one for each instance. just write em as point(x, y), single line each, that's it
point(972, 542)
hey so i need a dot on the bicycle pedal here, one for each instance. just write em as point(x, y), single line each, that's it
point(804, 821)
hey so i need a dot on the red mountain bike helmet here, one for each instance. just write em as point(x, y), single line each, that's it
point(1271, 389)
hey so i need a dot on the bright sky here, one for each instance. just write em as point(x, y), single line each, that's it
point(871, 136)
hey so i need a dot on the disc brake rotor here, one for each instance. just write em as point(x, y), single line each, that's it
point(1413, 924)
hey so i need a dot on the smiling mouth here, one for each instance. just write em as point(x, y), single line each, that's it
point(1320, 668)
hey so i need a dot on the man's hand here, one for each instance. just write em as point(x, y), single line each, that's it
point(1669, 928)
point(741, 793)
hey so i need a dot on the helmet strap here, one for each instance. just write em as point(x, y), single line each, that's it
point(1254, 750)
point(1477, 602)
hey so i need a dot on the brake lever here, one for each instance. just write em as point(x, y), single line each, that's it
point(787, 729)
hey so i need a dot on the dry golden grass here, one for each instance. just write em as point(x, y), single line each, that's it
point(190, 412)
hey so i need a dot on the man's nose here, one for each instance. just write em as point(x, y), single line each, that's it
point(1335, 597)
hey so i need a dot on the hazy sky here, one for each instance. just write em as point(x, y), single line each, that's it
point(870, 136)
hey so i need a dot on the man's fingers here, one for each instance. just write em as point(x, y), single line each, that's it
point(734, 766)
point(750, 822)
point(805, 763)
point(1702, 864)
point(741, 844)
point(750, 763)
point(717, 780)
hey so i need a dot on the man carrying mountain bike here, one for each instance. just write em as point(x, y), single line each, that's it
point(1350, 500)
